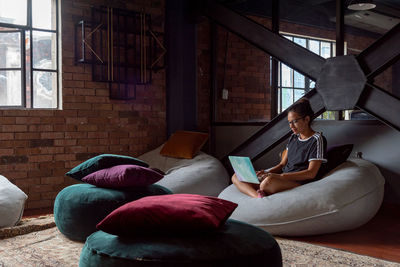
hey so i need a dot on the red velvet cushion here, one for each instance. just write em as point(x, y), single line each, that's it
point(122, 176)
point(168, 213)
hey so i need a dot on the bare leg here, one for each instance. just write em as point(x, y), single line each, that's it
point(277, 185)
point(246, 188)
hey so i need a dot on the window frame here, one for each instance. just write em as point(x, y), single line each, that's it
point(28, 90)
point(307, 81)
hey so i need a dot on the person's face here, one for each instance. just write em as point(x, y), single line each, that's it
point(297, 123)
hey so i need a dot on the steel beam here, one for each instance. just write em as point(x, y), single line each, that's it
point(380, 104)
point(381, 54)
point(295, 56)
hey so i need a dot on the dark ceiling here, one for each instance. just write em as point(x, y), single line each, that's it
point(322, 13)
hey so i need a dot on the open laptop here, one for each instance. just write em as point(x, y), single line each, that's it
point(244, 169)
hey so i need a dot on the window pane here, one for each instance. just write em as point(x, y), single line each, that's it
point(287, 98)
point(44, 89)
point(279, 100)
point(312, 84)
point(325, 50)
point(279, 76)
point(334, 50)
point(299, 81)
point(286, 76)
point(314, 46)
point(44, 14)
point(10, 88)
point(328, 115)
point(13, 11)
point(288, 37)
point(300, 41)
point(298, 94)
point(44, 50)
point(10, 49)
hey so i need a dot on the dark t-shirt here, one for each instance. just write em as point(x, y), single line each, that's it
point(301, 152)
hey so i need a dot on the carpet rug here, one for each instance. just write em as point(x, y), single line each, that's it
point(28, 225)
point(50, 248)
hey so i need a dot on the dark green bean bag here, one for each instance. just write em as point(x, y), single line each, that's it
point(235, 244)
point(78, 208)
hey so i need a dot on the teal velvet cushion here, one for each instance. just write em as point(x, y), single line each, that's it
point(78, 208)
point(235, 244)
point(101, 162)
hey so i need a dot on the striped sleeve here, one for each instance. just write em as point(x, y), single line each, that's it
point(318, 148)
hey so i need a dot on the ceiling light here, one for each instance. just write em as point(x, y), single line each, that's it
point(361, 5)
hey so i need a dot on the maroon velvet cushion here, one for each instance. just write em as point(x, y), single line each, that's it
point(122, 176)
point(168, 213)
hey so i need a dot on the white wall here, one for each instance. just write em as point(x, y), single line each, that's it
point(377, 142)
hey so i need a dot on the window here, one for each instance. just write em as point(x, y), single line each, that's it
point(293, 85)
point(29, 56)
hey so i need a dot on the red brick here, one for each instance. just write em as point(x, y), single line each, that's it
point(14, 128)
point(8, 120)
point(65, 142)
point(52, 120)
point(52, 180)
point(40, 158)
point(34, 196)
point(48, 195)
point(87, 128)
point(76, 120)
point(6, 151)
point(74, 84)
point(85, 92)
point(75, 135)
point(66, 157)
point(38, 204)
point(78, 106)
point(51, 135)
point(98, 149)
point(103, 106)
point(40, 128)
point(88, 142)
point(27, 182)
point(39, 173)
point(40, 113)
point(81, 77)
point(52, 150)
point(97, 135)
point(64, 128)
point(75, 149)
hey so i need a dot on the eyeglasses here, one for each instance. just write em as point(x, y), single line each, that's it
point(295, 121)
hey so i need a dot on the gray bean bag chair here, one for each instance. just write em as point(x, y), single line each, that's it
point(346, 198)
point(203, 175)
point(12, 202)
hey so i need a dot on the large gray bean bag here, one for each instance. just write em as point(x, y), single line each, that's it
point(203, 175)
point(346, 198)
point(12, 202)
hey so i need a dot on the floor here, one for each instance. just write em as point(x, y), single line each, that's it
point(379, 238)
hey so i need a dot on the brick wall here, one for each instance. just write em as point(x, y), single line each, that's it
point(37, 147)
point(244, 73)
point(248, 69)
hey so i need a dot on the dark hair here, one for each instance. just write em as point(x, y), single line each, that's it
point(303, 108)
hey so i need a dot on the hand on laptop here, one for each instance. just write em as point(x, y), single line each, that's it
point(261, 175)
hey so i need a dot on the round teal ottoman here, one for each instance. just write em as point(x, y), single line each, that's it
point(235, 244)
point(79, 208)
